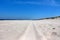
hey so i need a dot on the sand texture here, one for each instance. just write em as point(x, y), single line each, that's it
point(30, 29)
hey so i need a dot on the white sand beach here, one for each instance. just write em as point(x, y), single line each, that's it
point(48, 29)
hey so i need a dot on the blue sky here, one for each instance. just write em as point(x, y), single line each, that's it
point(29, 9)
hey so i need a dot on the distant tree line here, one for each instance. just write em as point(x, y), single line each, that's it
point(50, 18)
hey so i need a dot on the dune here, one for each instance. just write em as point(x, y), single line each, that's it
point(46, 29)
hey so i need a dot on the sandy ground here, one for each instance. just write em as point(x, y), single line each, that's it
point(30, 29)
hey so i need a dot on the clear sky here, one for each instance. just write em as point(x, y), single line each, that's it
point(29, 9)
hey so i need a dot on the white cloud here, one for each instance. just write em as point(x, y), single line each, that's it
point(45, 2)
